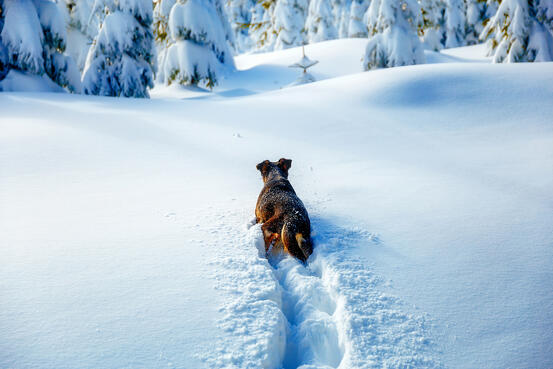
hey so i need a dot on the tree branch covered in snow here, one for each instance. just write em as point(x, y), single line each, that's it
point(517, 35)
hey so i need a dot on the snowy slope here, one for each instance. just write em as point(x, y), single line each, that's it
point(127, 235)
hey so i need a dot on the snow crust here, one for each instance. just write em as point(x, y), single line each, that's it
point(127, 238)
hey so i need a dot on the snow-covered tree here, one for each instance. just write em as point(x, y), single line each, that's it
point(239, 13)
point(393, 39)
point(162, 9)
point(198, 53)
point(289, 23)
point(4, 65)
point(357, 26)
point(341, 13)
point(455, 23)
point(516, 35)
point(491, 8)
point(121, 61)
point(162, 36)
point(474, 22)
point(227, 29)
point(544, 12)
point(34, 41)
point(432, 31)
point(261, 28)
point(83, 19)
point(319, 22)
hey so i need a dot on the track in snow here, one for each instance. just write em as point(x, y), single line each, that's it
point(310, 310)
point(332, 313)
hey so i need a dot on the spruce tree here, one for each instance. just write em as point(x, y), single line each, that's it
point(198, 53)
point(33, 41)
point(491, 8)
point(516, 34)
point(289, 23)
point(543, 10)
point(162, 9)
point(455, 23)
point(474, 22)
point(261, 27)
point(357, 27)
point(239, 13)
point(432, 31)
point(120, 61)
point(83, 18)
point(341, 16)
point(227, 29)
point(4, 65)
point(162, 36)
point(393, 39)
point(319, 23)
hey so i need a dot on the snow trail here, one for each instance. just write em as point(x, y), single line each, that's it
point(310, 310)
point(331, 313)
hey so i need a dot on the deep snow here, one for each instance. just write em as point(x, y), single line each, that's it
point(126, 224)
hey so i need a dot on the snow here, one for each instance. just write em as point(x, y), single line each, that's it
point(24, 82)
point(127, 233)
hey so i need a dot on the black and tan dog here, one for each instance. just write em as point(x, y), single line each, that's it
point(285, 219)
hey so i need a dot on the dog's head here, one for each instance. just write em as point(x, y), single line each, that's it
point(269, 168)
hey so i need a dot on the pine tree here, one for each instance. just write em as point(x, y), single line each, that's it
point(227, 29)
point(239, 13)
point(432, 31)
point(319, 22)
point(491, 8)
point(4, 65)
point(289, 23)
point(475, 17)
point(162, 9)
point(261, 27)
point(357, 27)
point(198, 53)
point(162, 36)
point(341, 13)
point(544, 12)
point(455, 23)
point(83, 18)
point(517, 35)
point(120, 61)
point(393, 37)
point(34, 41)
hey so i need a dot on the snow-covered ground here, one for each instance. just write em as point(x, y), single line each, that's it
point(127, 235)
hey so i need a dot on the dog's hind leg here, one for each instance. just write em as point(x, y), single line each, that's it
point(270, 232)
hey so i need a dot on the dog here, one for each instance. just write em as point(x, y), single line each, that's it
point(285, 219)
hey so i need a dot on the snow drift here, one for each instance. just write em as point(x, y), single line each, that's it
point(127, 238)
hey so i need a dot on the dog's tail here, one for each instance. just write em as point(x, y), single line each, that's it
point(295, 243)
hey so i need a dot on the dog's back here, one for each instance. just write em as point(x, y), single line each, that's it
point(282, 213)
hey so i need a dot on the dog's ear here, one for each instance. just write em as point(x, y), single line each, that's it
point(262, 167)
point(285, 164)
